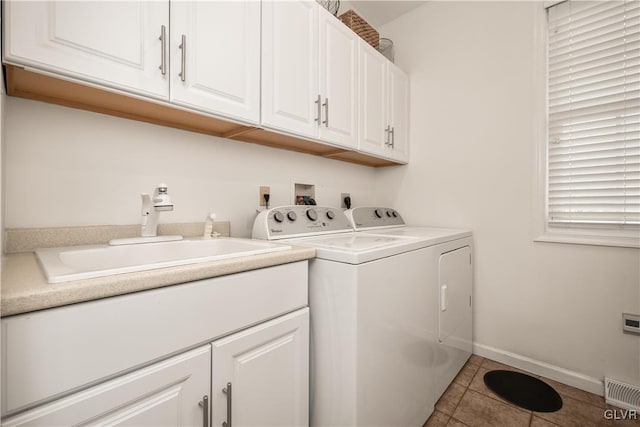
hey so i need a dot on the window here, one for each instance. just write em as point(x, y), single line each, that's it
point(593, 123)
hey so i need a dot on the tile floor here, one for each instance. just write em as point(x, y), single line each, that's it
point(468, 402)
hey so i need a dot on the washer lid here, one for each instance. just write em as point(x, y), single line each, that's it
point(357, 248)
point(427, 235)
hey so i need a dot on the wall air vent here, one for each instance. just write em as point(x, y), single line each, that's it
point(621, 395)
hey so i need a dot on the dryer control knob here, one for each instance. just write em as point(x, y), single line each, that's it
point(378, 213)
point(389, 214)
point(394, 214)
point(312, 214)
point(277, 215)
point(292, 216)
point(331, 215)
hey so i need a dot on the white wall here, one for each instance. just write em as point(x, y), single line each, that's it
point(473, 165)
point(72, 167)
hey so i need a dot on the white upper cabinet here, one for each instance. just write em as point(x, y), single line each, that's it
point(338, 81)
point(373, 100)
point(384, 107)
point(309, 72)
point(286, 65)
point(290, 66)
point(116, 44)
point(398, 112)
point(215, 57)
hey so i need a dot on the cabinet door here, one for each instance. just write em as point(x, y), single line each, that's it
point(290, 66)
point(373, 101)
point(338, 81)
point(167, 393)
point(454, 316)
point(217, 68)
point(115, 44)
point(268, 369)
point(398, 95)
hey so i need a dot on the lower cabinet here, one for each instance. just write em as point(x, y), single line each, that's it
point(168, 393)
point(163, 357)
point(260, 376)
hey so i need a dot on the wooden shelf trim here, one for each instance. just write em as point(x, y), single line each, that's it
point(46, 88)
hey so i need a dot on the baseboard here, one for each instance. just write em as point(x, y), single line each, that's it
point(565, 376)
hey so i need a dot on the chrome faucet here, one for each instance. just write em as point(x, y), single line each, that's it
point(151, 209)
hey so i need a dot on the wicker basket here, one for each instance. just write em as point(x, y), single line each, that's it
point(361, 28)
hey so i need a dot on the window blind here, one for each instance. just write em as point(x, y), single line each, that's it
point(594, 113)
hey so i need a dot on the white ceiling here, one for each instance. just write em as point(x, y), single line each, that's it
point(379, 12)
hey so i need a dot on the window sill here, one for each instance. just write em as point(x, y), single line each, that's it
point(588, 237)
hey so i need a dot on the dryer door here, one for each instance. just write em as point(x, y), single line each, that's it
point(455, 282)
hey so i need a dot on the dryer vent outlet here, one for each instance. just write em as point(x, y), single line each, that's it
point(622, 395)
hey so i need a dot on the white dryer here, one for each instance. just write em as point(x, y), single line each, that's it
point(449, 256)
point(372, 337)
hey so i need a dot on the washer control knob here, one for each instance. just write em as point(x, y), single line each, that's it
point(331, 215)
point(292, 216)
point(277, 215)
point(378, 213)
point(312, 214)
point(394, 214)
point(389, 214)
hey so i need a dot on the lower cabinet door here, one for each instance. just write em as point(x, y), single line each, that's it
point(260, 376)
point(168, 393)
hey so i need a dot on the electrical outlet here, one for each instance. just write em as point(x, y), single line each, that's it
point(343, 205)
point(263, 191)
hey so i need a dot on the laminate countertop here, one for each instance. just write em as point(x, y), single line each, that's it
point(24, 287)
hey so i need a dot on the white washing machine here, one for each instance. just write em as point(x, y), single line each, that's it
point(449, 256)
point(372, 336)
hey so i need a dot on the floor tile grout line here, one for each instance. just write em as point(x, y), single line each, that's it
point(504, 402)
point(466, 388)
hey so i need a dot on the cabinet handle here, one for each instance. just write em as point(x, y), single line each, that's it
point(326, 112)
point(227, 391)
point(204, 403)
point(183, 48)
point(319, 109)
point(393, 137)
point(387, 132)
point(163, 46)
point(443, 297)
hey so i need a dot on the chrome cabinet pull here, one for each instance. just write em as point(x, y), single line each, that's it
point(183, 48)
point(204, 404)
point(326, 112)
point(163, 46)
point(393, 137)
point(387, 132)
point(319, 109)
point(227, 391)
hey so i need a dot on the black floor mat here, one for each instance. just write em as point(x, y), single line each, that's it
point(523, 390)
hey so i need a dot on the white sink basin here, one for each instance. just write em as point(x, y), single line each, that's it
point(84, 262)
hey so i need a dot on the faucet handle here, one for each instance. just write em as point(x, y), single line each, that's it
point(161, 199)
point(208, 226)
